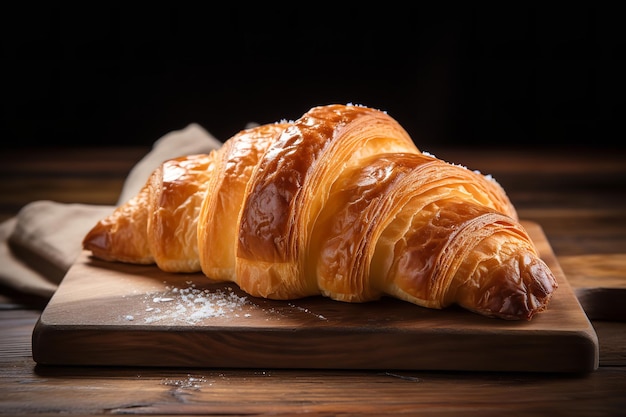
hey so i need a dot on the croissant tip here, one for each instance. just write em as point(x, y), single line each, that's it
point(98, 242)
point(96, 239)
point(526, 286)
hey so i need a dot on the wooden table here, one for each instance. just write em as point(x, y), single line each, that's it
point(578, 196)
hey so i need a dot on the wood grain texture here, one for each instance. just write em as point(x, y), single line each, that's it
point(104, 314)
point(244, 392)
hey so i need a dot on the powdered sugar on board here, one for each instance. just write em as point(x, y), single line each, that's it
point(190, 305)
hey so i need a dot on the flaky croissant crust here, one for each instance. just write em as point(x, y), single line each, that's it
point(339, 203)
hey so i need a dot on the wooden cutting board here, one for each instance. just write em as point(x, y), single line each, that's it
point(127, 315)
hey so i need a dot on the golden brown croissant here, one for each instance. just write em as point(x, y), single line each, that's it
point(339, 202)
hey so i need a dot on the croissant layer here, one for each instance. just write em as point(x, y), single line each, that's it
point(339, 203)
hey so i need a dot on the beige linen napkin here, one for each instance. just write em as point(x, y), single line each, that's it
point(38, 246)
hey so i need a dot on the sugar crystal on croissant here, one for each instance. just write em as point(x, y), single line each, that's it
point(339, 203)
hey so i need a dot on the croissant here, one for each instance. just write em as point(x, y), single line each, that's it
point(339, 203)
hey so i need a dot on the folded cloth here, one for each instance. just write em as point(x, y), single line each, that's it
point(38, 246)
point(16, 274)
point(44, 242)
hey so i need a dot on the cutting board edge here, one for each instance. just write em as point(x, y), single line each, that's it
point(578, 352)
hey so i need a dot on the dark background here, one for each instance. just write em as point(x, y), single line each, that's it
point(503, 76)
